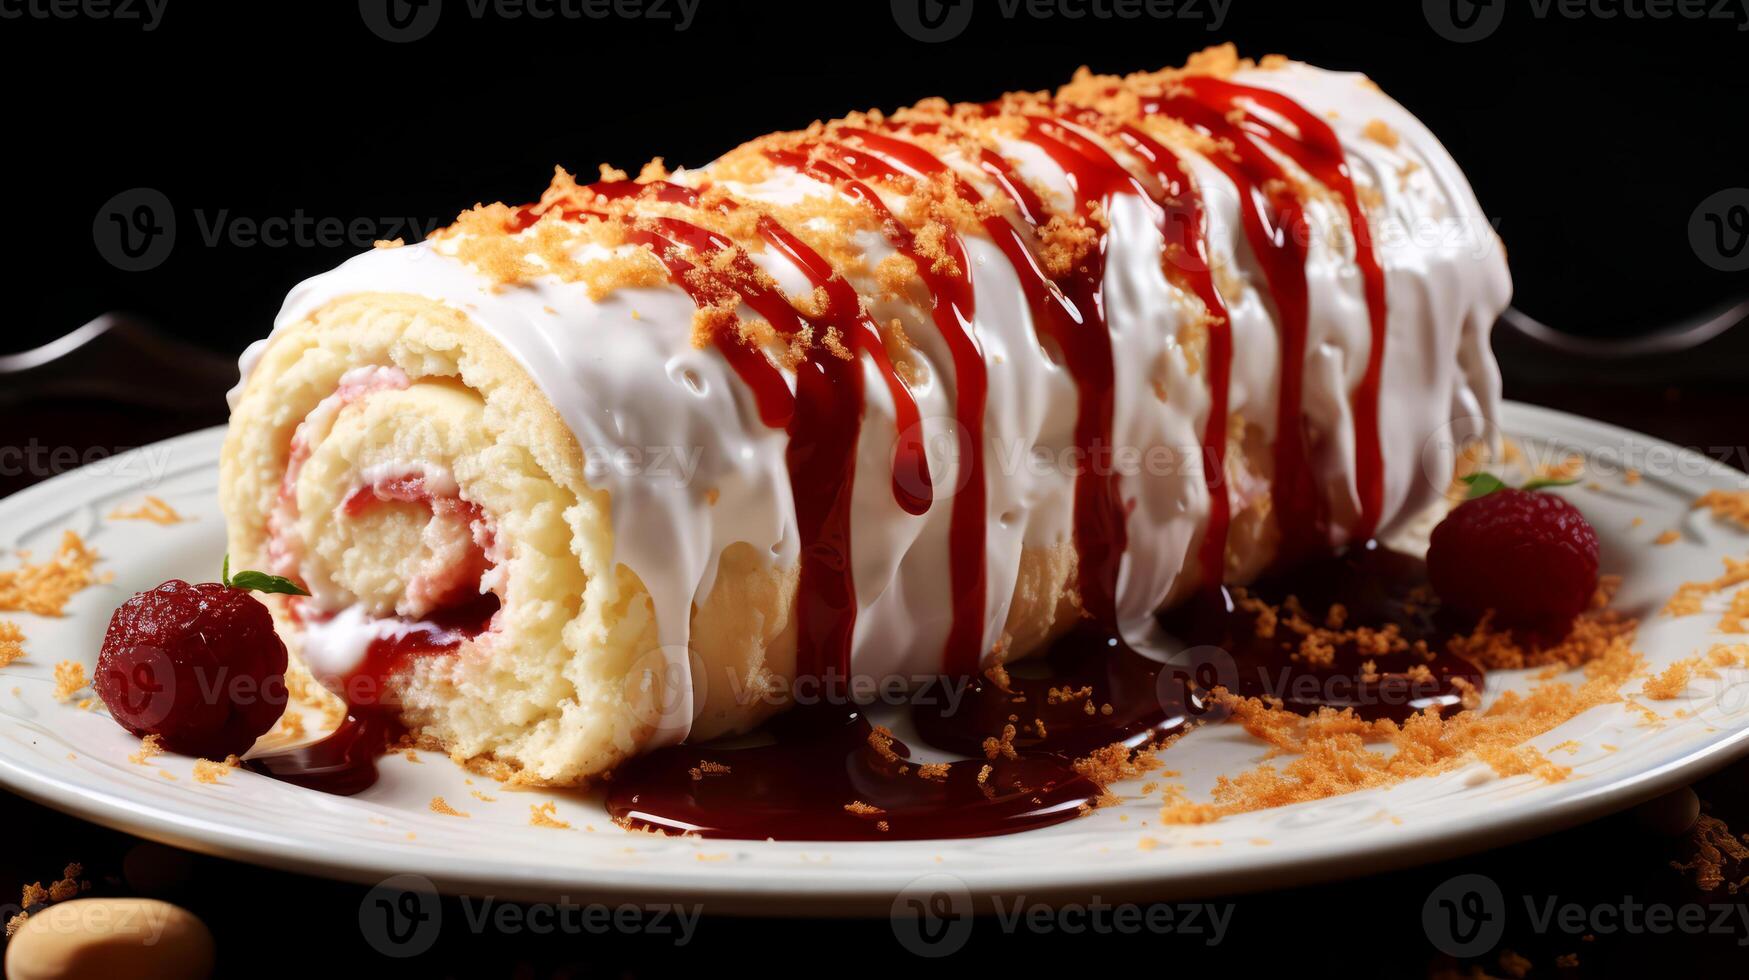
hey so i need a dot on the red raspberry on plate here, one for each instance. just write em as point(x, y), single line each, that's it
point(197, 665)
point(1530, 557)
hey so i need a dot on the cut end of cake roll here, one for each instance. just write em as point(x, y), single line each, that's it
point(889, 398)
point(394, 458)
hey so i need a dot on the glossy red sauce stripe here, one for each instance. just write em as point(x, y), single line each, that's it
point(1316, 150)
point(1275, 226)
point(952, 306)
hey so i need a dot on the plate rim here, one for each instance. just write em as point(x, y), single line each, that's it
point(768, 891)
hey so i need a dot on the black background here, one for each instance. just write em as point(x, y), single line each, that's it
point(1590, 141)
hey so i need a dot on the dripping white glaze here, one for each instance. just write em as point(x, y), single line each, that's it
point(626, 381)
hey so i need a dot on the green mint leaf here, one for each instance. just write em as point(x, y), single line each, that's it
point(225, 575)
point(1540, 482)
point(1482, 484)
point(263, 582)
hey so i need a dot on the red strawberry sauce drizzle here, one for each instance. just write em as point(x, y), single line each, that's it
point(1317, 151)
point(952, 308)
point(795, 789)
point(827, 758)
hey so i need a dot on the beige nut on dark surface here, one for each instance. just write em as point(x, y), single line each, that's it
point(111, 937)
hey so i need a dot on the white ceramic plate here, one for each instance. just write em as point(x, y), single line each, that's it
point(77, 760)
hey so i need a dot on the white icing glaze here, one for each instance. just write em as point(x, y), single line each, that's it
point(639, 397)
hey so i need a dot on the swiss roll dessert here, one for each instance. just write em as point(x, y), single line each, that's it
point(893, 397)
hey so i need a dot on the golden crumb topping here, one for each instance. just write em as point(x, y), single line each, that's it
point(1568, 468)
point(441, 806)
point(1717, 856)
point(821, 188)
point(1736, 616)
point(546, 815)
point(1726, 505)
point(708, 768)
point(1514, 965)
point(1333, 750)
point(208, 771)
point(1689, 595)
point(290, 727)
point(1593, 634)
point(45, 589)
point(1672, 681)
point(151, 747)
point(1177, 808)
point(35, 897)
point(1380, 132)
point(934, 770)
point(1001, 747)
point(155, 509)
point(11, 642)
point(69, 680)
point(1117, 762)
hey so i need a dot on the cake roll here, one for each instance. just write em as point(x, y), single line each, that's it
point(893, 397)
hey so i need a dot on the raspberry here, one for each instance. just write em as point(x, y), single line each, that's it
point(197, 665)
point(1530, 557)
